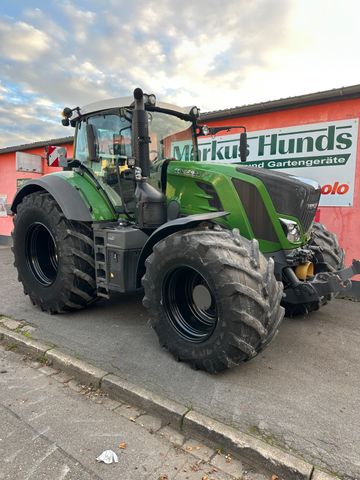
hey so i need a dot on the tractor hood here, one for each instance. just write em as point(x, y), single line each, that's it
point(291, 195)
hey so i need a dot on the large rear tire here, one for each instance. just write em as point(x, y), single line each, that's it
point(326, 250)
point(54, 256)
point(213, 298)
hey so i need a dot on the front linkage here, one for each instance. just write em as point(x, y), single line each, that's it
point(320, 286)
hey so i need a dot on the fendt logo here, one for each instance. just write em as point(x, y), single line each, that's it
point(335, 189)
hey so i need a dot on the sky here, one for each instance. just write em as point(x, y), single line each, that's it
point(210, 53)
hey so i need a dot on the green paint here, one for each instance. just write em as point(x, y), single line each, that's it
point(182, 187)
point(95, 199)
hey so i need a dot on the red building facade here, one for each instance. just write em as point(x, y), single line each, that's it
point(12, 178)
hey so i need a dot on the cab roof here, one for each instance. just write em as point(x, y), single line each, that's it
point(120, 103)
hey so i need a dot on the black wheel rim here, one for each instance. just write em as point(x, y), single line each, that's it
point(189, 304)
point(41, 254)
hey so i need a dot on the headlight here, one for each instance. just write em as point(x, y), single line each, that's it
point(291, 230)
point(152, 99)
point(205, 130)
point(67, 112)
point(149, 99)
point(194, 112)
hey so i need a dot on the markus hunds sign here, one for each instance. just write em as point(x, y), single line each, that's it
point(325, 152)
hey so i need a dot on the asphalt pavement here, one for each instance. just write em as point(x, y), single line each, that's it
point(301, 393)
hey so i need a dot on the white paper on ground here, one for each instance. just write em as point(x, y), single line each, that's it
point(108, 456)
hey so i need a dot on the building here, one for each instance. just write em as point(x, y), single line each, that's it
point(17, 166)
point(314, 136)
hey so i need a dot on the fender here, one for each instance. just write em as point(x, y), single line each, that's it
point(67, 197)
point(167, 229)
point(78, 199)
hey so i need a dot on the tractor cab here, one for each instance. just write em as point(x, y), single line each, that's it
point(106, 141)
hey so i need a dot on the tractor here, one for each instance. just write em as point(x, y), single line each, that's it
point(220, 250)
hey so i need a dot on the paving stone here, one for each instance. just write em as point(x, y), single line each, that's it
point(151, 423)
point(35, 364)
point(172, 435)
point(258, 476)
point(193, 469)
point(110, 404)
point(73, 384)
point(120, 389)
point(320, 475)
point(46, 370)
point(129, 412)
point(199, 470)
point(63, 377)
point(174, 462)
point(28, 329)
point(228, 464)
point(198, 450)
point(10, 323)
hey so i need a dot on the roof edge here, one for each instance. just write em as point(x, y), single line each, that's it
point(41, 143)
point(343, 93)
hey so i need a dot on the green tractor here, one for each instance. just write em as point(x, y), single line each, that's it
point(220, 250)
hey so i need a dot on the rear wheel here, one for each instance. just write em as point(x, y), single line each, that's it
point(54, 256)
point(326, 250)
point(212, 296)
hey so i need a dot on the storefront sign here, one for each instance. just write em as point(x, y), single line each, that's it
point(325, 152)
point(28, 162)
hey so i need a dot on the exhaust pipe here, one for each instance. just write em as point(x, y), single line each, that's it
point(150, 210)
point(141, 137)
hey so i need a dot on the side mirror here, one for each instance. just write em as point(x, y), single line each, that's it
point(91, 144)
point(243, 146)
point(56, 156)
point(206, 130)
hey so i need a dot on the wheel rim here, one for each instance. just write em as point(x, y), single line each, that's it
point(189, 304)
point(41, 254)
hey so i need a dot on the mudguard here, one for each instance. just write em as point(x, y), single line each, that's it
point(67, 197)
point(167, 229)
point(78, 199)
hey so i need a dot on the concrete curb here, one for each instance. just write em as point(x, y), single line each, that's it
point(120, 389)
point(24, 344)
point(78, 369)
point(247, 447)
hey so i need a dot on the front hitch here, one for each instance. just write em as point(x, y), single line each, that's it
point(321, 285)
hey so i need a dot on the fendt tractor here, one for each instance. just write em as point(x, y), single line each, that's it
point(221, 251)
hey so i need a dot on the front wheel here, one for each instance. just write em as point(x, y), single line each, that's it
point(212, 296)
point(54, 256)
point(326, 251)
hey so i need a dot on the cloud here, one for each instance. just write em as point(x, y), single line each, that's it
point(21, 42)
point(209, 53)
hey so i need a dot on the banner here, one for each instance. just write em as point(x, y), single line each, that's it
point(325, 152)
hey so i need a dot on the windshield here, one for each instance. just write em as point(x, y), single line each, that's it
point(110, 134)
point(104, 143)
point(170, 137)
